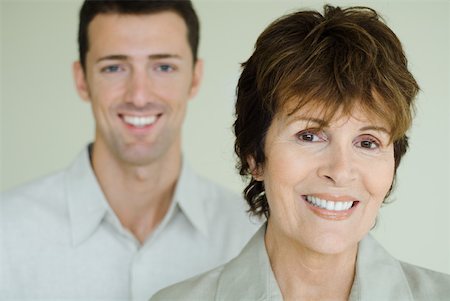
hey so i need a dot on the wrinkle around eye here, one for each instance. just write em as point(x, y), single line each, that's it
point(310, 136)
point(374, 142)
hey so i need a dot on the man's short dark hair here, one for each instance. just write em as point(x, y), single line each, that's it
point(92, 8)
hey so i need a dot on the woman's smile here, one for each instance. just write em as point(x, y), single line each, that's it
point(331, 209)
point(325, 185)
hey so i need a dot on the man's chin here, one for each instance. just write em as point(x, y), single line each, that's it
point(141, 155)
point(139, 159)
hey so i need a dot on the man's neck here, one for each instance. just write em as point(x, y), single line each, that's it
point(140, 196)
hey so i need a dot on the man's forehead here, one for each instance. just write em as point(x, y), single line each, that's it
point(159, 32)
point(113, 18)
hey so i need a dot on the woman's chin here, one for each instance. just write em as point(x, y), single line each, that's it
point(332, 245)
point(329, 242)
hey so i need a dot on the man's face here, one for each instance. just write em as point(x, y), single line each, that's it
point(139, 76)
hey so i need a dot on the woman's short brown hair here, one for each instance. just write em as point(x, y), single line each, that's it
point(335, 61)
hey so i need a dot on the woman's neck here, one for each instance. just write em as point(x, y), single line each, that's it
point(304, 274)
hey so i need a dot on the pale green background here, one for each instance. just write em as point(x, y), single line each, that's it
point(44, 124)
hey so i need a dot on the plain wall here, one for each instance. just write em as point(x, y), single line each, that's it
point(44, 124)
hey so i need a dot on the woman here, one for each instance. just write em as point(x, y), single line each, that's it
point(323, 107)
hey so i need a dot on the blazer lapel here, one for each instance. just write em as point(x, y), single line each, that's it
point(379, 276)
point(249, 276)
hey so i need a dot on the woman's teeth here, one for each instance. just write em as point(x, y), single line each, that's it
point(139, 121)
point(328, 205)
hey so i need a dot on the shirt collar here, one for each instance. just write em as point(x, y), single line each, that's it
point(249, 276)
point(86, 202)
point(191, 196)
point(88, 205)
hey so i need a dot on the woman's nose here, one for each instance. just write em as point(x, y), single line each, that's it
point(338, 166)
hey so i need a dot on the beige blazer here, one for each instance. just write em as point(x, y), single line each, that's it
point(379, 277)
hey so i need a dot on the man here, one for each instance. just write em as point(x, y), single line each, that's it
point(128, 217)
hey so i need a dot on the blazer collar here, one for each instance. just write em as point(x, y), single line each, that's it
point(379, 276)
point(249, 276)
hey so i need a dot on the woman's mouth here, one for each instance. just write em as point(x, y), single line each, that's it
point(329, 205)
point(331, 209)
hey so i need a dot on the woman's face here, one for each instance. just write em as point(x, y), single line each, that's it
point(325, 187)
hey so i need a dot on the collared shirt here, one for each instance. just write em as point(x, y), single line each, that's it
point(60, 239)
point(249, 276)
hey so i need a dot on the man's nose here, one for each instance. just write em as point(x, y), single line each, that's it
point(139, 88)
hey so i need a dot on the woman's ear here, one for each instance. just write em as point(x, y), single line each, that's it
point(255, 169)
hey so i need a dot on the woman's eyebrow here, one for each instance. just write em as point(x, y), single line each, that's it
point(374, 128)
point(320, 122)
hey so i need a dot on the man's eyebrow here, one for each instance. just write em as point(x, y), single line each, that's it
point(164, 56)
point(122, 57)
point(115, 57)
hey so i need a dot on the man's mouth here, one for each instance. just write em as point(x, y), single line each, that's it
point(330, 205)
point(139, 121)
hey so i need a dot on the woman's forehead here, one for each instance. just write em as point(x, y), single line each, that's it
point(325, 114)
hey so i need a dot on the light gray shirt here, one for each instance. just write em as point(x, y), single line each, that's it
point(249, 276)
point(60, 239)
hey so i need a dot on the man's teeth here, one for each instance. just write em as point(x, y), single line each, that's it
point(139, 121)
point(328, 205)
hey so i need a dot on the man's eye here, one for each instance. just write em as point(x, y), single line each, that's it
point(111, 69)
point(165, 68)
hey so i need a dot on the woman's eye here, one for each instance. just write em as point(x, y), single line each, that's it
point(369, 144)
point(309, 137)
